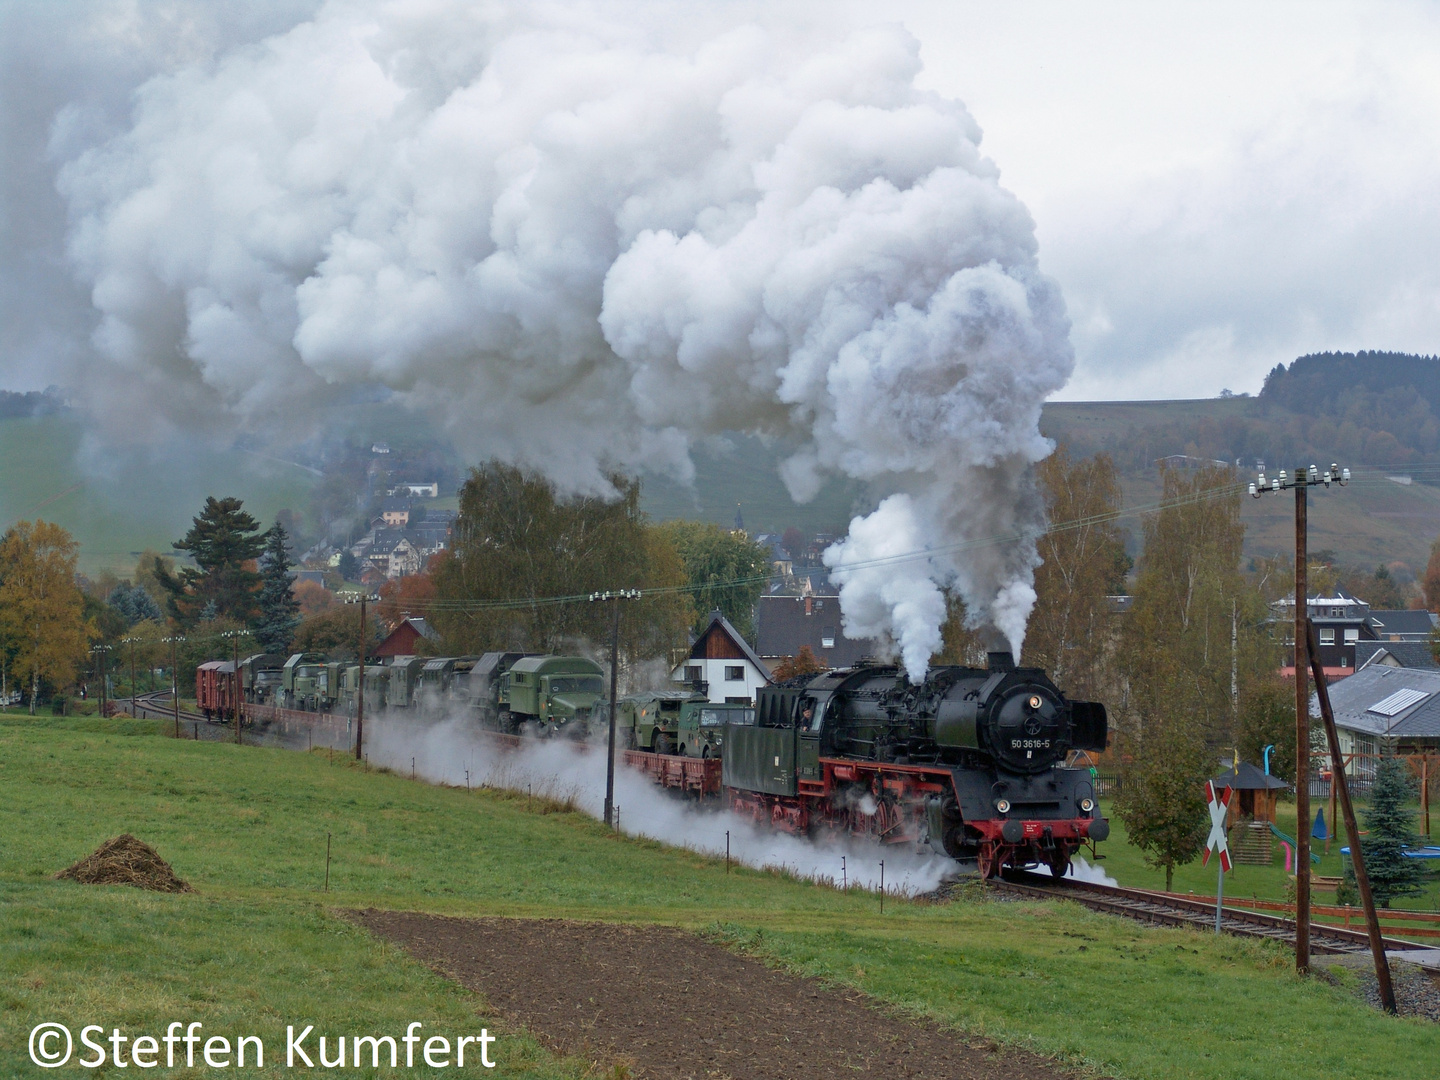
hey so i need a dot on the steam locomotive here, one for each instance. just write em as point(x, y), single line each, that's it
point(970, 762)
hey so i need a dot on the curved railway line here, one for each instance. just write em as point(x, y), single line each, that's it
point(1165, 909)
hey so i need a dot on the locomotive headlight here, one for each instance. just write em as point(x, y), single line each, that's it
point(1003, 805)
point(1034, 701)
point(1086, 805)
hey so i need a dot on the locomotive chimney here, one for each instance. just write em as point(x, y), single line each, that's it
point(1002, 661)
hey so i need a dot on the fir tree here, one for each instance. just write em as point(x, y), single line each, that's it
point(349, 566)
point(1391, 827)
point(224, 541)
point(279, 610)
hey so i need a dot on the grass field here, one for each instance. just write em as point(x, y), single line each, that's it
point(257, 946)
point(126, 503)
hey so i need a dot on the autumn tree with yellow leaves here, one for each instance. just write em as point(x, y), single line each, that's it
point(42, 626)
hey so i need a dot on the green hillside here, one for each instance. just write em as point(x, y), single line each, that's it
point(127, 504)
point(259, 944)
point(1374, 520)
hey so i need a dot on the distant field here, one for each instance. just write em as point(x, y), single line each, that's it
point(1373, 521)
point(126, 504)
point(119, 505)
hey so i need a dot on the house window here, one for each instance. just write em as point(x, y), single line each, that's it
point(692, 673)
point(1352, 635)
point(827, 638)
point(1327, 637)
point(735, 673)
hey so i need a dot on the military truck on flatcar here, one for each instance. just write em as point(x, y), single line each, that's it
point(701, 729)
point(553, 695)
point(261, 675)
point(488, 690)
point(307, 683)
point(649, 720)
point(404, 678)
point(377, 682)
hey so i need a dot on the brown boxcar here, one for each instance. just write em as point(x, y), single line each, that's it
point(215, 689)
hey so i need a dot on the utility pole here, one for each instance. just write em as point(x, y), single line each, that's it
point(360, 687)
point(360, 679)
point(1357, 857)
point(614, 598)
point(131, 642)
point(1303, 480)
point(174, 642)
point(235, 635)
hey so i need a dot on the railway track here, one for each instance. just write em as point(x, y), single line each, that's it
point(1163, 909)
point(158, 705)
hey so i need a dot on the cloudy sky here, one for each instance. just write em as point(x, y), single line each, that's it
point(1216, 187)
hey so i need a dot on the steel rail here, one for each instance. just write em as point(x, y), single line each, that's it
point(1166, 910)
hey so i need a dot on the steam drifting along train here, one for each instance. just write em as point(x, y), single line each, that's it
point(970, 762)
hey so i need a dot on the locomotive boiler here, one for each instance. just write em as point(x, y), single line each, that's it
point(970, 762)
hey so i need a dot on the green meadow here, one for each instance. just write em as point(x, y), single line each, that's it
point(259, 944)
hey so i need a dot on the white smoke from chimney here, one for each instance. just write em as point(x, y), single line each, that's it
point(583, 241)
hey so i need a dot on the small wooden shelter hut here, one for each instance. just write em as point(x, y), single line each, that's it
point(1255, 792)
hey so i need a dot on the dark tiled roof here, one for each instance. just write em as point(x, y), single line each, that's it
point(782, 628)
point(1246, 777)
point(1410, 625)
point(1353, 698)
point(1410, 654)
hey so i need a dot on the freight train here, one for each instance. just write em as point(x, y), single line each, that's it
point(970, 763)
point(508, 692)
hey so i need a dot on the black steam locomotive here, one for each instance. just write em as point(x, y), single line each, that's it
point(970, 762)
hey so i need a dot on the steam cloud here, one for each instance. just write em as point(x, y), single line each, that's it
point(583, 241)
point(452, 751)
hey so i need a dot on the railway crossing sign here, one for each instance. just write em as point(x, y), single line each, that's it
point(1219, 807)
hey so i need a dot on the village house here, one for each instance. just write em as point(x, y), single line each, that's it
point(393, 555)
point(1385, 709)
point(1342, 623)
point(405, 639)
point(786, 624)
point(722, 661)
point(395, 512)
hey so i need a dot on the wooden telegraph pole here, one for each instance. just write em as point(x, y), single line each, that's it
point(360, 687)
point(1357, 857)
point(174, 641)
point(614, 598)
point(1303, 480)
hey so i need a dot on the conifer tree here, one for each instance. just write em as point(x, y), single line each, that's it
point(279, 609)
point(1390, 825)
point(224, 540)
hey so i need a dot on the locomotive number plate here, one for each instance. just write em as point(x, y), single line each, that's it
point(1029, 744)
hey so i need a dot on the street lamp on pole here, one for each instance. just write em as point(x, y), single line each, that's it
point(235, 636)
point(130, 640)
point(174, 642)
point(360, 679)
point(1301, 482)
point(614, 597)
point(99, 651)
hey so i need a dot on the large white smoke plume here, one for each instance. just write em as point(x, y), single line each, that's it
point(585, 236)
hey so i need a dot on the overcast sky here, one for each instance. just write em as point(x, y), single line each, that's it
point(1217, 187)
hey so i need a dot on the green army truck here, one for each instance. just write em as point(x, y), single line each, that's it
point(649, 720)
point(552, 695)
point(377, 682)
point(305, 683)
point(700, 731)
point(404, 679)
